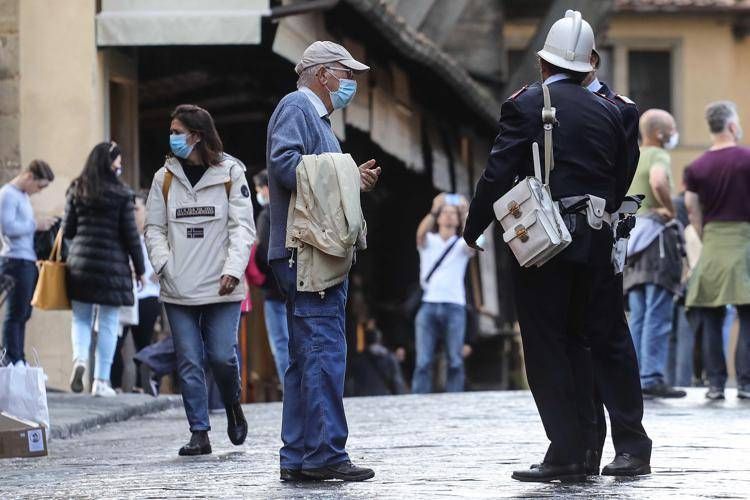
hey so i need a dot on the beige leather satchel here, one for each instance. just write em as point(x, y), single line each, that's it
point(533, 227)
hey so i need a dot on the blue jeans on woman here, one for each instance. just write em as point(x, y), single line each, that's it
point(205, 333)
point(651, 312)
point(106, 339)
point(435, 322)
point(18, 308)
point(278, 334)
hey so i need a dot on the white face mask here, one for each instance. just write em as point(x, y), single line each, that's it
point(262, 201)
point(674, 139)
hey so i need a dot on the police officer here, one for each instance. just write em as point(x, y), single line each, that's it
point(616, 378)
point(552, 300)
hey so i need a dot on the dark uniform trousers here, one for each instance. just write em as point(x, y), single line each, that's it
point(552, 304)
point(615, 368)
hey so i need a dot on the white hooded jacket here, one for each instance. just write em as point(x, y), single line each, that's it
point(201, 233)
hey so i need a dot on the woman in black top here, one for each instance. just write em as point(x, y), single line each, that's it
point(100, 221)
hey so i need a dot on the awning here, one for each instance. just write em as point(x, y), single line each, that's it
point(180, 22)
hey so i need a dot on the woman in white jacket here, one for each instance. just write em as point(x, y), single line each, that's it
point(199, 230)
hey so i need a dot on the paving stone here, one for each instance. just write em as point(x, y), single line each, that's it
point(436, 446)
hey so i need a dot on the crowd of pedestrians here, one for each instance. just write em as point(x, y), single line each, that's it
point(194, 245)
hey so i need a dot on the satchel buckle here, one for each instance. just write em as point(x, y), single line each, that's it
point(514, 209)
point(521, 233)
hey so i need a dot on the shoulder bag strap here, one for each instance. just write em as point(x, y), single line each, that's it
point(441, 259)
point(168, 176)
point(56, 254)
point(548, 118)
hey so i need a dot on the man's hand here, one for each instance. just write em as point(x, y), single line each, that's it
point(369, 173)
point(227, 284)
point(664, 213)
point(474, 245)
point(466, 351)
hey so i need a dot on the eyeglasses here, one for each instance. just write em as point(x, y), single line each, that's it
point(349, 73)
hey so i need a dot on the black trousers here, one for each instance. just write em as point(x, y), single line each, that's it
point(148, 312)
point(615, 369)
point(552, 302)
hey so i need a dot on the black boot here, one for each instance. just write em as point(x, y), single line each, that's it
point(236, 424)
point(198, 445)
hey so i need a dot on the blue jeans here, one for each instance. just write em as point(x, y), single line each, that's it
point(313, 426)
point(106, 338)
point(651, 312)
point(18, 305)
point(436, 322)
point(278, 334)
point(682, 346)
point(205, 333)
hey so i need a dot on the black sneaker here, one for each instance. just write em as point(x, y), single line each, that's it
point(662, 390)
point(345, 471)
point(198, 445)
point(715, 393)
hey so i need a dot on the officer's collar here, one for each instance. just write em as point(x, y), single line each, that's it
point(595, 85)
point(556, 78)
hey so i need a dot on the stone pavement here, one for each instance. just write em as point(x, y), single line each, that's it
point(71, 414)
point(437, 446)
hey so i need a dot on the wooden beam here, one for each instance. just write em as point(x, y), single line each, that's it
point(596, 12)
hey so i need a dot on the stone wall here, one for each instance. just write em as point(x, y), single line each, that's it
point(10, 152)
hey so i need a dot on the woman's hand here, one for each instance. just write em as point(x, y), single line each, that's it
point(142, 282)
point(227, 284)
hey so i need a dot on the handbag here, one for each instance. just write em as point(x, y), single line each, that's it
point(51, 293)
point(414, 296)
point(532, 224)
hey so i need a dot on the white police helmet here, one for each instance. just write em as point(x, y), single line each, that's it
point(569, 43)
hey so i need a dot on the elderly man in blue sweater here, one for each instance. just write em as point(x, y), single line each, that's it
point(313, 429)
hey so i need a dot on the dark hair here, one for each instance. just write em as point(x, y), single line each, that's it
point(576, 76)
point(40, 170)
point(97, 173)
point(261, 178)
point(199, 121)
point(459, 229)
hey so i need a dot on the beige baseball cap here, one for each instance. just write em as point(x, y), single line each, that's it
point(328, 52)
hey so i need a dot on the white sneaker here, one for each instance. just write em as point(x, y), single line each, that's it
point(102, 389)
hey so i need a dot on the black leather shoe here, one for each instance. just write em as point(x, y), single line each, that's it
point(592, 462)
point(662, 390)
point(294, 476)
point(346, 471)
point(236, 424)
point(544, 473)
point(198, 445)
point(626, 464)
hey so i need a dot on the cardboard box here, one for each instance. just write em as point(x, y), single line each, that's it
point(21, 438)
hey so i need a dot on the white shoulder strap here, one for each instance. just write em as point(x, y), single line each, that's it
point(548, 118)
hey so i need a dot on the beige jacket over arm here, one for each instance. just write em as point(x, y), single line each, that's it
point(325, 221)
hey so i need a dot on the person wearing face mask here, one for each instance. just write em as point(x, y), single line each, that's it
point(655, 251)
point(314, 429)
point(100, 222)
point(717, 191)
point(199, 232)
point(274, 308)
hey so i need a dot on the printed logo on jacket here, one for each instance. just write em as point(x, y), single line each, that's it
point(195, 212)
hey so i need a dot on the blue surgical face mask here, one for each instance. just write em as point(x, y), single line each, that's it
point(179, 145)
point(344, 95)
point(262, 201)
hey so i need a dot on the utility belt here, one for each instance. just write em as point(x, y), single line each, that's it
point(621, 222)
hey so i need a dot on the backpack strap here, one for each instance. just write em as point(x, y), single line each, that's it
point(168, 176)
point(548, 119)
